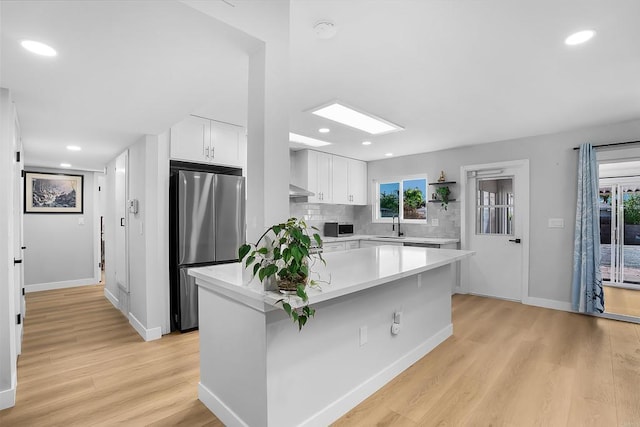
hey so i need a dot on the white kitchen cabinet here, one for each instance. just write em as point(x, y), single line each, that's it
point(352, 244)
point(349, 181)
point(202, 140)
point(333, 247)
point(334, 179)
point(313, 172)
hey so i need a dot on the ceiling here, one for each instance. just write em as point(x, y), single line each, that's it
point(124, 69)
point(451, 72)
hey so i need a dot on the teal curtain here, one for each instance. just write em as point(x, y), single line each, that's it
point(586, 289)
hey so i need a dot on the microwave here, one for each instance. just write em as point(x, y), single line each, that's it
point(335, 229)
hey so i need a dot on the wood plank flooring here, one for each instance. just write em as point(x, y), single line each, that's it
point(507, 364)
point(622, 301)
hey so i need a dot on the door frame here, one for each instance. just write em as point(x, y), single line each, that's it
point(464, 233)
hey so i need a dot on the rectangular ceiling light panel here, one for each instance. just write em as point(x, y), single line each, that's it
point(356, 119)
point(301, 139)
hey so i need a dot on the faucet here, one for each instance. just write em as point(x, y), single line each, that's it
point(393, 225)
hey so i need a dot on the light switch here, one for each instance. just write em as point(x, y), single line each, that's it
point(363, 335)
point(435, 222)
point(81, 220)
point(556, 223)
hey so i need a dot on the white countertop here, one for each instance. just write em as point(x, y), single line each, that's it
point(381, 238)
point(347, 271)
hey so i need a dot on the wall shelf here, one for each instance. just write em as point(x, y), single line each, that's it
point(442, 183)
point(440, 201)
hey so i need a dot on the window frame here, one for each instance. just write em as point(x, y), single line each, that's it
point(375, 212)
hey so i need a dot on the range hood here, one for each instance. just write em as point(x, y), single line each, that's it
point(295, 191)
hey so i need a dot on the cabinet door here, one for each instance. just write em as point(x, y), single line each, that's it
point(341, 194)
point(308, 173)
point(353, 244)
point(225, 144)
point(333, 247)
point(324, 178)
point(190, 139)
point(357, 182)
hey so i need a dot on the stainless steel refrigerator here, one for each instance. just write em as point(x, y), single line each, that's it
point(207, 220)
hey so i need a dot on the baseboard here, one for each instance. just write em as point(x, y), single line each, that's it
point(221, 411)
point(146, 334)
point(111, 297)
point(350, 400)
point(7, 398)
point(60, 285)
point(548, 303)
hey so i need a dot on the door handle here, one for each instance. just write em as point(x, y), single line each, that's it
point(17, 261)
point(515, 240)
point(24, 247)
point(121, 222)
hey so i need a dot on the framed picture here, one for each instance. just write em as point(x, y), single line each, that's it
point(53, 193)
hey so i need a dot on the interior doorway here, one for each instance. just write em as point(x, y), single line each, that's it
point(619, 197)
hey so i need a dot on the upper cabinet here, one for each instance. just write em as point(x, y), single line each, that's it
point(333, 179)
point(207, 141)
point(311, 170)
point(349, 181)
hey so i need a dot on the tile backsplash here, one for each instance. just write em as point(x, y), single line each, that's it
point(316, 214)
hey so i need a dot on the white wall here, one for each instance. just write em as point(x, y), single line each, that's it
point(60, 250)
point(553, 181)
point(8, 357)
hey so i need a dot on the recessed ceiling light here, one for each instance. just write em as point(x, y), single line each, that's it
point(388, 154)
point(294, 137)
point(38, 48)
point(73, 148)
point(324, 130)
point(65, 165)
point(366, 142)
point(579, 37)
point(340, 113)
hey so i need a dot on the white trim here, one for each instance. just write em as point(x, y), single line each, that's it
point(217, 406)
point(89, 281)
point(630, 286)
point(524, 165)
point(354, 397)
point(7, 398)
point(614, 316)
point(548, 303)
point(112, 298)
point(147, 334)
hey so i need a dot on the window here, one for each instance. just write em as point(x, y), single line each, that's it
point(494, 206)
point(412, 206)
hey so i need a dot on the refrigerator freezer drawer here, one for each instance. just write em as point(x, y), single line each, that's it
point(188, 301)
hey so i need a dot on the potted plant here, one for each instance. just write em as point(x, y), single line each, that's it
point(286, 255)
point(443, 193)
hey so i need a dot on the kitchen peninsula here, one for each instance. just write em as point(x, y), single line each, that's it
point(257, 369)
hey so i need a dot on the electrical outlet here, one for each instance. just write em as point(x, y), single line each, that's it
point(363, 335)
point(435, 222)
point(397, 317)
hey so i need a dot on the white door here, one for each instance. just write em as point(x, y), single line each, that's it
point(121, 226)
point(496, 227)
point(18, 275)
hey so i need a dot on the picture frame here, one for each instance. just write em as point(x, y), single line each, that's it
point(52, 193)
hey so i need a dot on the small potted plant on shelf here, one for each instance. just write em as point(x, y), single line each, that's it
point(443, 194)
point(287, 255)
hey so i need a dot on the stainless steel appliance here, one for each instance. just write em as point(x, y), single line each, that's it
point(334, 229)
point(207, 225)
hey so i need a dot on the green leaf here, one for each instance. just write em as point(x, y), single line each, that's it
point(277, 229)
point(271, 269)
point(287, 308)
point(250, 260)
point(243, 251)
point(263, 251)
point(301, 293)
point(262, 273)
point(312, 311)
point(256, 268)
point(304, 269)
point(297, 253)
point(306, 240)
point(294, 315)
point(302, 319)
point(316, 236)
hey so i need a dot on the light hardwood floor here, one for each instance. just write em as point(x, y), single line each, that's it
point(507, 364)
point(622, 301)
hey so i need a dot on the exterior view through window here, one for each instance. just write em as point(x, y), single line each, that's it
point(411, 206)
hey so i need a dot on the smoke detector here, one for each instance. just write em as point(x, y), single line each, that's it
point(325, 29)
